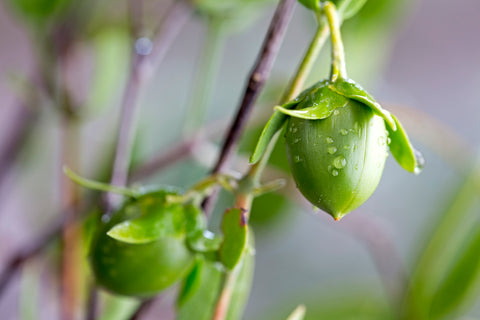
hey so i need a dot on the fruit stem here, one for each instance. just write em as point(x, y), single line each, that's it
point(338, 53)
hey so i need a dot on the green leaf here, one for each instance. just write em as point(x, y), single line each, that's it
point(319, 103)
point(200, 290)
point(352, 90)
point(204, 241)
point(462, 284)
point(403, 151)
point(234, 228)
point(243, 283)
point(274, 124)
point(349, 8)
point(160, 220)
point(298, 313)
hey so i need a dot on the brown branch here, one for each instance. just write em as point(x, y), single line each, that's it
point(258, 76)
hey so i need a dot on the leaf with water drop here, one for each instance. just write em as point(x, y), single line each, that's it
point(319, 104)
point(350, 89)
point(402, 149)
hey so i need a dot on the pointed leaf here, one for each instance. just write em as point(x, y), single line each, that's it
point(160, 221)
point(403, 151)
point(200, 291)
point(274, 124)
point(320, 103)
point(349, 8)
point(234, 228)
point(462, 284)
point(243, 283)
point(352, 90)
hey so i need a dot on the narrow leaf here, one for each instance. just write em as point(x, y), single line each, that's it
point(200, 291)
point(234, 228)
point(274, 124)
point(243, 283)
point(352, 90)
point(462, 284)
point(349, 8)
point(402, 149)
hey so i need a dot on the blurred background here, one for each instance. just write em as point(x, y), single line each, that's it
point(419, 58)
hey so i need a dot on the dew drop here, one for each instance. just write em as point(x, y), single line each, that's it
point(336, 112)
point(420, 161)
point(297, 140)
point(339, 162)
point(334, 172)
point(343, 132)
point(381, 141)
point(332, 150)
point(297, 159)
point(328, 140)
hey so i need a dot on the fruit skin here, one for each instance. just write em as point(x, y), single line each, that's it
point(140, 270)
point(337, 162)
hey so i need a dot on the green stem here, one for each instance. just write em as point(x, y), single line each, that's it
point(338, 53)
point(307, 63)
point(294, 88)
point(205, 76)
point(95, 185)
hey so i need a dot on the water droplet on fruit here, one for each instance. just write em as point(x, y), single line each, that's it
point(332, 150)
point(334, 172)
point(339, 162)
point(382, 142)
point(328, 140)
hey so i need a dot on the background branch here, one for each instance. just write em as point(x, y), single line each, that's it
point(257, 78)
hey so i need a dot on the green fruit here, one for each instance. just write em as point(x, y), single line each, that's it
point(143, 269)
point(337, 139)
point(337, 162)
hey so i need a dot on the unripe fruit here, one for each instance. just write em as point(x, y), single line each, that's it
point(337, 138)
point(337, 162)
point(140, 269)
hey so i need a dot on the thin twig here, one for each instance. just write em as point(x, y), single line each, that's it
point(35, 247)
point(142, 309)
point(20, 125)
point(258, 76)
point(143, 66)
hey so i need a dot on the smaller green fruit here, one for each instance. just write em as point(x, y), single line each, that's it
point(143, 269)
